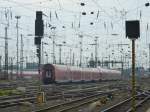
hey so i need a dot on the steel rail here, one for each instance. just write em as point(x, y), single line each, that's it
point(120, 104)
point(139, 104)
point(75, 103)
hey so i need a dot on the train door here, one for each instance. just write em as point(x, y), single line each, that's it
point(48, 76)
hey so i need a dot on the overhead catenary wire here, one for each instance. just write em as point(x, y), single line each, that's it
point(64, 25)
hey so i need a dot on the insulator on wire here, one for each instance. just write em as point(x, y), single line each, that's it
point(50, 16)
point(46, 25)
point(72, 25)
point(140, 14)
point(82, 4)
point(104, 25)
point(79, 24)
point(112, 26)
point(83, 13)
point(56, 14)
point(92, 12)
point(91, 23)
point(147, 27)
point(11, 15)
point(64, 42)
point(97, 14)
point(147, 4)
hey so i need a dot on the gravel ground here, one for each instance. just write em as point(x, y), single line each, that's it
point(28, 107)
point(97, 107)
point(144, 107)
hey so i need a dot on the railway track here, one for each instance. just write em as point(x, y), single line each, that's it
point(75, 103)
point(8, 101)
point(139, 104)
point(17, 100)
point(125, 106)
point(28, 96)
point(14, 102)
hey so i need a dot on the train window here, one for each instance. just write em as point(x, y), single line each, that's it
point(48, 73)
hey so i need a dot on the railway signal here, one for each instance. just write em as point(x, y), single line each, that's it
point(133, 33)
point(39, 27)
point(39, 31)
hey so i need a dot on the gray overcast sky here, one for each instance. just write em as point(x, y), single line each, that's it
point(108, 18)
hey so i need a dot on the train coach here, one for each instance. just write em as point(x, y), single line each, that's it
point(52, 73)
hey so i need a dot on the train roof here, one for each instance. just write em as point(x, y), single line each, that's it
point(76, 68)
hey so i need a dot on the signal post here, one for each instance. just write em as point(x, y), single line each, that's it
point(133, 33)
point(39, 31)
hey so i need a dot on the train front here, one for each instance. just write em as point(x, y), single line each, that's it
point(48, 72)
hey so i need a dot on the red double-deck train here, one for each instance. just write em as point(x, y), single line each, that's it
point(52, 73)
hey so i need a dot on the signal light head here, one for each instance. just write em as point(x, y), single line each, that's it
point(147, 4)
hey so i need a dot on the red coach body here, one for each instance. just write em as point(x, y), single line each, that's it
point(62, 73)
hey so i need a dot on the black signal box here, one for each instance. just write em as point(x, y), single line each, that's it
point(39, 25)
point(37, 41)
point(39, 15)
point(39, 28)
point(133, 29)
